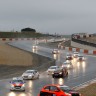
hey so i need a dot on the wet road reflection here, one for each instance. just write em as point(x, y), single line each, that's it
point(81, 72)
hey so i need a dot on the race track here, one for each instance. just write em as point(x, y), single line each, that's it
point(82, 72)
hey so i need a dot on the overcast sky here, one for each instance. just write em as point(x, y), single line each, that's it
point(49, 16)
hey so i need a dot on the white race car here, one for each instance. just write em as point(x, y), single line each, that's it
point(80, 58)
point(17, 84)
point(52, 69)
point(75, 54)
point(55, 51)
point(30, 74)
point(67, 64)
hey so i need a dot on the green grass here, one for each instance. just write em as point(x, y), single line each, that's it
point(20, 35)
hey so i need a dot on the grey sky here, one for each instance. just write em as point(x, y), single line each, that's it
point(60, 16)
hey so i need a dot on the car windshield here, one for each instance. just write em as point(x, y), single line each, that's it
point(69, 55)
point(29, 72)
point(53, 67)
point(55, 50)
point(75, 53)
point(17, 81)
point(80, 56)
point(65, 88)
point(65, 63)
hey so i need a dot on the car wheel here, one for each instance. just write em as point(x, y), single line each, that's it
point(11, 90)
point(23, 90)
point(53, 76)
point(67, 74)
point(38, 77)
point(62, 76)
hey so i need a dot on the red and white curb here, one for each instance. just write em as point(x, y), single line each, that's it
point(17, 39)
point(92, 52)
point(31, 39)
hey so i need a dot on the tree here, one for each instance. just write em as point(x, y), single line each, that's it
point(28, 30)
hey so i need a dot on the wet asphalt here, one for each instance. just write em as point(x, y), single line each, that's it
point(81, 72)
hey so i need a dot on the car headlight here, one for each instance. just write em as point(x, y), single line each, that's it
point(60, 73)
point(68, 66)
point(23, 85)
point(22, 75)
point(30, 75)
point(80, 94)
point(68, 94)
point(12, 85)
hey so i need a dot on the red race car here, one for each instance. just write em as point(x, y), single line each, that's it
point(57, 90)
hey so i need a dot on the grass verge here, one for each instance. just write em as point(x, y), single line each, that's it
point(89, 90)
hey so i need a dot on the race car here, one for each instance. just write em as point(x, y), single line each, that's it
point(69, 56)
point(75, 54)
point(60, 73)
point(67, 64)
point(58, 90)
point(34, 47)
point(55, 51)
point(80, 58)
point(51, 69)
point(17, 84)
point(30, 74)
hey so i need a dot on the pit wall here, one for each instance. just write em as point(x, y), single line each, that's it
point(77, 40)
point(75, 44)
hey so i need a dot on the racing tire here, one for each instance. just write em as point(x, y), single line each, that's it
point(38, 77)
point(53, 76)
point(11, 90)
point(23, 90)
point(67, 74)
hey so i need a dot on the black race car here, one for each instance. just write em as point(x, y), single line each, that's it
point(60, 73)
point(69, 56)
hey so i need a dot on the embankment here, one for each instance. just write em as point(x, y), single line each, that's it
point(13, 61)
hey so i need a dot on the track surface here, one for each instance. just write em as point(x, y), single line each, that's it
point(82, 72)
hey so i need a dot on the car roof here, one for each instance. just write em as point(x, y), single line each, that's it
point(69, 53)
point(80, 56)
point(17, 78)
point(63, 86)
point(30, 70)
point(75, 52)
point(67, 61)
point(53, 66)
point(55, 49)
point(51, 85)
point(57, 85)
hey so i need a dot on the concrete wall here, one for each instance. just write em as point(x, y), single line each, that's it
point(78, 45)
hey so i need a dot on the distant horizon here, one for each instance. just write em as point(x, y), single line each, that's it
point(49, 32)
point(49, 16)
